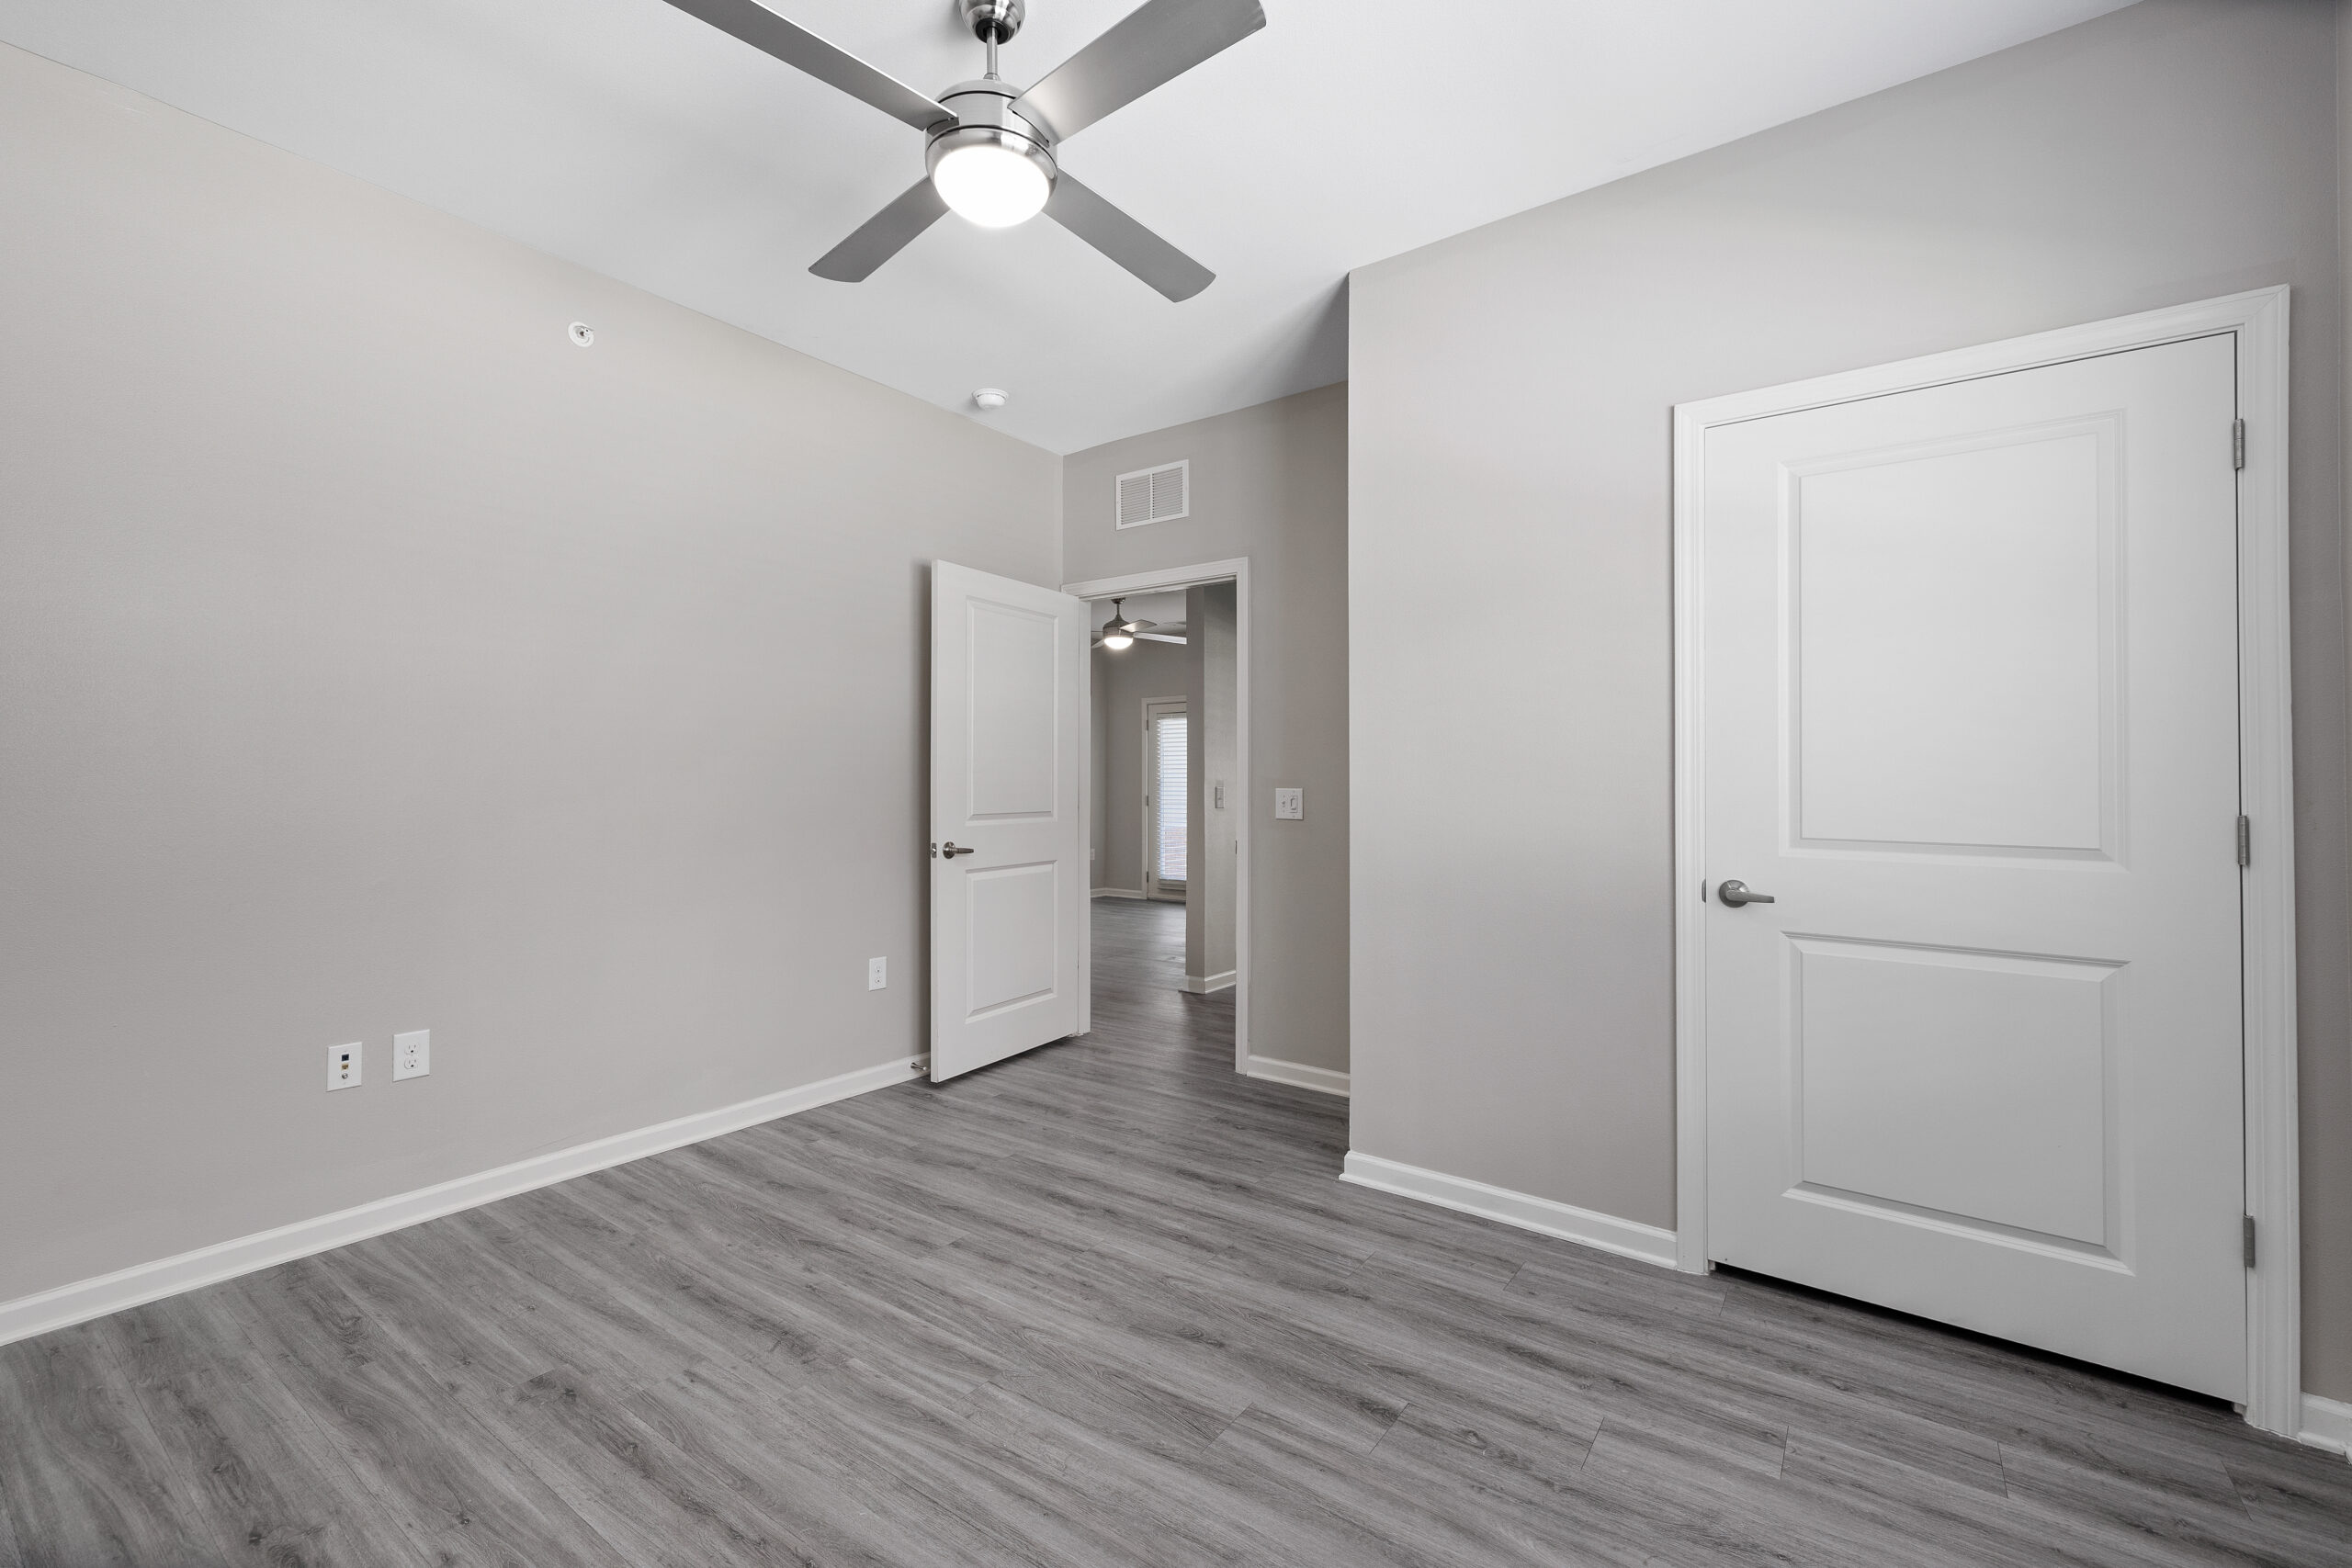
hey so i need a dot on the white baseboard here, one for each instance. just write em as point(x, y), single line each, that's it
point(1627, 1238)
point(2328, 1424)
point(86, 1299)
point(1323, 1080)
point(1118, 892)
point(1202, 984)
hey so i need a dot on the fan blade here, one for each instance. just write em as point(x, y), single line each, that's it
point(882, 236)
point(1157, 43)
point(796, 45)
point(1157, 637)
point(1124, 241)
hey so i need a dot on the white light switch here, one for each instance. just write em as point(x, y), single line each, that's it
point(1289, 805)
point(342, 1067)
point(878, 973)
point(412, 1054)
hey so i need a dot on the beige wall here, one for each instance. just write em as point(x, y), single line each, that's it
point(1124, 682)
point(1271, 483)
point(376, 659)
point(1511, 437)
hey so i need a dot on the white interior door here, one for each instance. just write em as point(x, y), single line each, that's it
point(1008, 826)
point(1970, 719)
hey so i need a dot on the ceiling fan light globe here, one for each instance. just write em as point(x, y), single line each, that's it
point(1115, 640)
point(991, 183)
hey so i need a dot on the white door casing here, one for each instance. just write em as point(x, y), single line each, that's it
point(1966, 643)
point(1007, 740)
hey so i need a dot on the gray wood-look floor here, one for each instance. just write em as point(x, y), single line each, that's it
point(1102, 1305)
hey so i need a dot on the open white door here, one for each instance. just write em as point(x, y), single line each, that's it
point(1008, 825)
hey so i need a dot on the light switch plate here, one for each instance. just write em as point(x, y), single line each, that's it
point(878, 973)
point(412, 1054)
point(343, 1063)
point(1289, 805)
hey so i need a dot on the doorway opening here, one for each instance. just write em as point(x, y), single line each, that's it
point(1168, 831)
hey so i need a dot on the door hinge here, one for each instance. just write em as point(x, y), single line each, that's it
point(2249, 1241)
point(2246, 841)
point(2237, 444)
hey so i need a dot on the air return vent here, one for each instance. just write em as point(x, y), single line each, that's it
point(1156, 496)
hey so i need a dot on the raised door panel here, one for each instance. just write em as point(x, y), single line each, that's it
point(1951, 613)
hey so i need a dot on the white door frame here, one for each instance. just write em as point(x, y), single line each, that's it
point(2266, 773)
point(1235, 572)
point(1153, 707)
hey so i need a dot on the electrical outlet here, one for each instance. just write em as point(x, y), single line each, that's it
point(412, 1054)
point(1289, 805)
point(878, 973)
point(343, 1065)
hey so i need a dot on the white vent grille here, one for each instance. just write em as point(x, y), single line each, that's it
point(1156, 496)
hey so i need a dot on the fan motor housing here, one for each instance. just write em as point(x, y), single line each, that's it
point(984, 113)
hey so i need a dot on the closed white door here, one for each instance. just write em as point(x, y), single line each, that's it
point(1008, 859)
point(1969, 720)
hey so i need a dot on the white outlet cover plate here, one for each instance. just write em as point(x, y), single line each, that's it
point(1289, 805)
point(412, 1054)
point(345, 1064)
point(878, 973)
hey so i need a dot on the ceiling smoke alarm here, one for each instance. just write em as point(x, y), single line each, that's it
point(990, 398)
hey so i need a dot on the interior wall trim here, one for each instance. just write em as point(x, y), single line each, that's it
point(1118, 892)
point(1202, 984)
point(1298, 1074)
point(86, 1299)
point(2257, 319)
point(2328, 1424)
point(1627, 1238)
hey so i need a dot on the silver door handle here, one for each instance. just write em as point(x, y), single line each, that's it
point(1735, 894)
point(949, 852)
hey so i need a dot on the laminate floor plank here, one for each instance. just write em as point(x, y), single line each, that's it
point(448, 1483)
point(83, 1477)
point(260, 1489)
point(1099, 1305)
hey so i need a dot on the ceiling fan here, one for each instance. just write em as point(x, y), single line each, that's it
point(992, 151)
point(1119, 632)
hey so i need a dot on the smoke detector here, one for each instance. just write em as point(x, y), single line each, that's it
point(990, 398)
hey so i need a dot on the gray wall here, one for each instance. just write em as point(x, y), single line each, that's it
point(1124, 681)
point(1271, 483)
point(376, 659)
point(1213, 696)
point(1511, 437)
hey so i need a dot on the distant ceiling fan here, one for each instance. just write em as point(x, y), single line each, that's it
point(992, 151)
point(1119, 632)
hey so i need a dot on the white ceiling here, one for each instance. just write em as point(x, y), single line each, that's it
point(626, 136)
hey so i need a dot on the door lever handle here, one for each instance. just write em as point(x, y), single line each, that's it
point(949, 852)
point(1735, 894)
